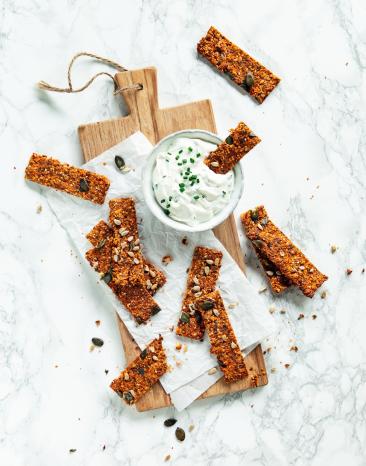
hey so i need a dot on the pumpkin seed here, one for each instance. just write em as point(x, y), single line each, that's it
point(140, 370)
point(248, 82)
point(184, 317)
point(170, 422)
point(84, 186)
point(97, 342)
point(206, 305)
point(143, 354)
point(254, 215)
point(107, 277)
point(155, 309)
point(128, 396)
point(120, 163)
point(229, 140)
point(180, 434)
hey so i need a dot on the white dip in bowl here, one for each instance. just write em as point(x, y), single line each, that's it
point(185, 187)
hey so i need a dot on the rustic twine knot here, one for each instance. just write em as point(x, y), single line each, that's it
point(48, 87)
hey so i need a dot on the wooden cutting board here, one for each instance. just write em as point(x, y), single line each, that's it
point(146, 116)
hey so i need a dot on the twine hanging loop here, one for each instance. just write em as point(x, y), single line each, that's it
point(70, 89)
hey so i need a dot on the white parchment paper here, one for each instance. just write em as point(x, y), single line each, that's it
point(251, 321)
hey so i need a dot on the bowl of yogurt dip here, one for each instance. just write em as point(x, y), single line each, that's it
point(181, 190)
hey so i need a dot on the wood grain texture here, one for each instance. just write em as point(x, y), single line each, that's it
point(146, 116)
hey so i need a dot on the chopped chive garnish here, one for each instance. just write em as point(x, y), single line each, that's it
point(179, 152)
point(168, 205)
point(181, 185)
point(191, 160)
point(190, 149)
point(196, 197)
point(176, 157)
point(184, 160)
point(198, 154)
point(170, 198)
point(224, 193)
point(180, 164)
point(169, 153)
point(166, 211)
point(163, 200)
point(185, 177)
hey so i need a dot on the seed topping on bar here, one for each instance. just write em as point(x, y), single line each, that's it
point(202, 278)
point(240, 141)
point(280, 251)
point(64, 177)
point(222, 337)
point(142, 373)
point(239, 66)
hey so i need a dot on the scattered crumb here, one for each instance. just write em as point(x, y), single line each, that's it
point(282, 311)
point(301, 316)
point(314, 316)
point(349, 271)
point(273, 370)
point(166, 260)
point(39, 209)
point(323, 294)
point(178, 346)
point(72, 450)
point(185, 348)
point(294, 348)
point(190, 428)
point(363, 271)
point(106, 371)
point(287, 366)
point(272, 309)
point(103, 448)
point(167, 458)
point(232, 305)
point(333, 249)
point(262, 290)
point(171, 328)
point(97, 323)
point(251, 406)
point(185, 241)
point(178, 363)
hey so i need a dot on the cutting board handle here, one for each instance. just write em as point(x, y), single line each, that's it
point(143, 104)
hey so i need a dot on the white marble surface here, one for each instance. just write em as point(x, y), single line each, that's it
point(309, 171)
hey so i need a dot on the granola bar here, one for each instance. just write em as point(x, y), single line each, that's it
point(278, 249)
point(154, 277)
point(64, 177)
point(239, 66)
point(118, 258)
point(202, 278)
point(142, 373)
point(240, 141)
point(222, 337)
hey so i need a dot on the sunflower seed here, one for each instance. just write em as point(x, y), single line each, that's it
point(117, 222)
point(233, 345)
point(198, 294)
point(120, 163)
point(115, 258)
point(215, 312)
point(259, 226)
point(123, 232)
point(126, 169)
point(248, 82)
point(195, 280)
point(215, 164)
point(269, 273)
point(282, 254)
point(136, 261)
point(126, 376)
point(130, 253)
point(129, 239)
point(206, 270)
point(101, 243)
point(251, 134)
point(154, 286)
point(155, 358)
point(152, 274)
point(148, 284)
point(180, 434)
point(217, 261)
point(224, 337)
point(212, 371)
point(209, 261)
point(83, 186)
point(196, 288)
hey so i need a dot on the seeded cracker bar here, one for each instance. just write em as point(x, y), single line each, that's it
point(142, 373)
point(154, 278)
point(240, 67)
point(64, 177)
point(119, 260)
point(240, 141)
point(279, 250)
point(202, 278)
point(222, 337)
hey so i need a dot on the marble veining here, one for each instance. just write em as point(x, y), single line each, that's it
point(309, 171)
